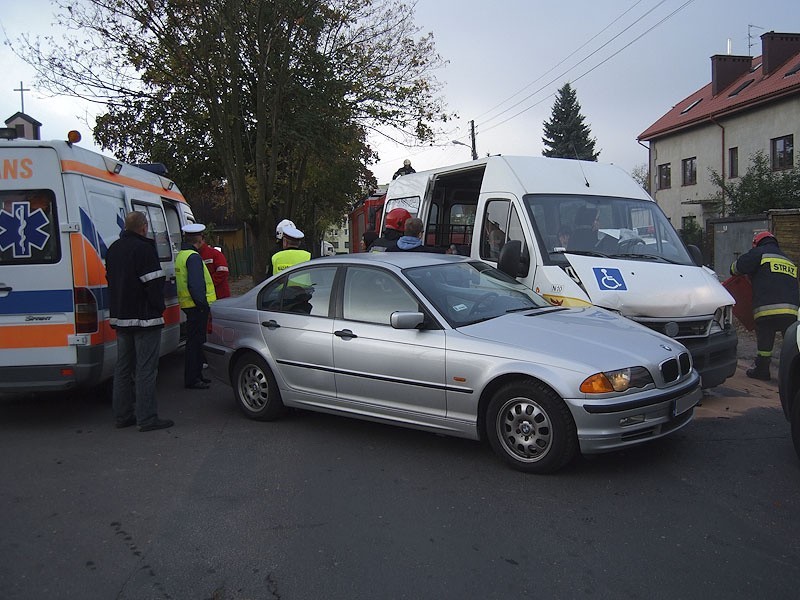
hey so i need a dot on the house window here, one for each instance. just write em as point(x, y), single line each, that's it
point(733, 162)
point(689, 171)
point(664, 177)
point(782, 153)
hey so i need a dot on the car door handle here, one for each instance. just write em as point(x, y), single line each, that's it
point(271, 324)
point(5, 289)
point(345, 333)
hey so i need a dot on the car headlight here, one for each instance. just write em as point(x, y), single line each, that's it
point(616, 381)
point(723, 317)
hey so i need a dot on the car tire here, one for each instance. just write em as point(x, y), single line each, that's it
point(255, 389)
point(530, 427)
point(795, 422)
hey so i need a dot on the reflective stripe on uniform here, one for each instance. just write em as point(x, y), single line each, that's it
point(152, 275)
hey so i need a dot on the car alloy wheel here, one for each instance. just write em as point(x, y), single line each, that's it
point(530, 427)
point(255, 389)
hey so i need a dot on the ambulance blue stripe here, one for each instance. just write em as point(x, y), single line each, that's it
point(45, 301)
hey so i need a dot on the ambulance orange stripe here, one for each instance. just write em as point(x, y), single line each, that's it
point(78, 260)
point(35, 336)
point(73, 166)
point(94, 266)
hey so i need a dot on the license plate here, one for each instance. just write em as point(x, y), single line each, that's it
point(684, 403)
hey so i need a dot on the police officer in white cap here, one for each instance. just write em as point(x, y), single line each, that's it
point(291, 254)
point(195, 295)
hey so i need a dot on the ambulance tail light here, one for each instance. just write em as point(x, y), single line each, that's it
point(85, 311)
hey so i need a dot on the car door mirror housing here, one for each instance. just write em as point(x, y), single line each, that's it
point(407, 320)
point(511, 261)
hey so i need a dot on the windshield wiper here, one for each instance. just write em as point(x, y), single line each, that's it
point(654, 257)
point(581, 252)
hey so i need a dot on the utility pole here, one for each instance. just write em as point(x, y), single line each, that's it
point(472, 137)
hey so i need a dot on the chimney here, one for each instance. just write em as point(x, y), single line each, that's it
point(727, 69)
point(776, 48)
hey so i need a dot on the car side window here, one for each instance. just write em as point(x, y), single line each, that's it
point(307, 291)
point(372, 295)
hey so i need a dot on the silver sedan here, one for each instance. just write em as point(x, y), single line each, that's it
point(451, 345)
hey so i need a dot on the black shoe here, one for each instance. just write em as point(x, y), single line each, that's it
point(130, 421)
point(205, 380)
point(198, 385)
point(157, 424)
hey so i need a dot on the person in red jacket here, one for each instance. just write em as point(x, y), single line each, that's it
point(218, 268)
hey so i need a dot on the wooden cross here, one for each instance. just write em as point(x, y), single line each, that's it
point(22, 91)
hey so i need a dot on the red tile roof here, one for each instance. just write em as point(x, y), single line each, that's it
point(762, 90)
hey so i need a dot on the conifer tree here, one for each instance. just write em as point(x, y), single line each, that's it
point(565, 134)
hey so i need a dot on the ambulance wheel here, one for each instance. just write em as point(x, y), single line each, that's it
point(255, 389)
point(531, 428)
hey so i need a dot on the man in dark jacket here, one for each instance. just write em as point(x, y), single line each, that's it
point(406, 169)
point(776, 295)
point(136, 307)
point(412, 240)
point(393, 228)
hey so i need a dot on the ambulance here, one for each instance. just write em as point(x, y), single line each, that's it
point(61, 207)
point(578, 233)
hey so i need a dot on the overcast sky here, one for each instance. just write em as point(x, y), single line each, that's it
point(630, 61)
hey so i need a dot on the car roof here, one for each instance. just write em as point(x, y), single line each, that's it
point(400, 260)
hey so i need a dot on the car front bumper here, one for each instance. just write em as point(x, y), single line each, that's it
point(607, 426)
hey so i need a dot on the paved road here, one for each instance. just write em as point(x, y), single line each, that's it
point(315, 506)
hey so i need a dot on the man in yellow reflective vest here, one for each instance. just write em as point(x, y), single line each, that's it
point(291, 254)
point(195, 295)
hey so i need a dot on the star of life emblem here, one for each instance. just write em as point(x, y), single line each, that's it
point(22, 229)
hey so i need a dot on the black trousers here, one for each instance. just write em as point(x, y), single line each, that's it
point(196, 323)
point(767, 327)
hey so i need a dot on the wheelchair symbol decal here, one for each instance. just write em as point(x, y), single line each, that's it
point(609, 279)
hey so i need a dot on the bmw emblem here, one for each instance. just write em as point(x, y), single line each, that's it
point(665, 347)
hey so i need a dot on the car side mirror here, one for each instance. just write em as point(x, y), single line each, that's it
point(406, 320)
point(696, 255)
point(511, 262)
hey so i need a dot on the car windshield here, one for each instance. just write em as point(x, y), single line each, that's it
point(468, 292)
point(613, 227)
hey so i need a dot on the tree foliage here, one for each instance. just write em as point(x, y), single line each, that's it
point(565, 134)
point(641, 175)
point(760, 188)
point(275, 99)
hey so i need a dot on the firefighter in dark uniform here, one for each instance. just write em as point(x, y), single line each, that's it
point(195, 295)
point(776, 295)
point(393, 228)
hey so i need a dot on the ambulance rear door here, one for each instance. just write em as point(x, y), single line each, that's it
point(37, 322)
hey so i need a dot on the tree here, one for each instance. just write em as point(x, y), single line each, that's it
point(759, 189)
point(641, 175)
point(565, 134)
point(273, 98)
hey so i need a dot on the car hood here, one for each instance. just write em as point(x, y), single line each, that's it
point(652, 289)
point(591, 336)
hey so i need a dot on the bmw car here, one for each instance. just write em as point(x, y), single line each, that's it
point(450, 345)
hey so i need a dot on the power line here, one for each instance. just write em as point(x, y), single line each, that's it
point(584, 59)
point(565, 59)
point(636, 39)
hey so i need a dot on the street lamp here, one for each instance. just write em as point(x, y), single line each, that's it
point(474, 153)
